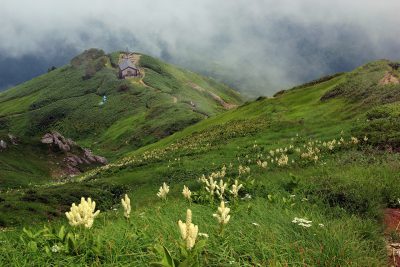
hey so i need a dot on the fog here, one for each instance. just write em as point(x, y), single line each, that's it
point(259, 47)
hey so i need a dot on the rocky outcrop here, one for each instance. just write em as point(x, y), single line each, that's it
point(76, 157)
point(94, 158)
point(55, 139)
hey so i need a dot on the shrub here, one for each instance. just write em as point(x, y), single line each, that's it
point(87, 55)
point(381, 126)
point(90, 71)
point(123, 88)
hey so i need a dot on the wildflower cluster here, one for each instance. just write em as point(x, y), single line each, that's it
point(243, 170)
point(310, 151)
point(302, 222)
point(83, 214)
point(163, 191)
point(262, 164)
point(196, 143)
point(212, 187)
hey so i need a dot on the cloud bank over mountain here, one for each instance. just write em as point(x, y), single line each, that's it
point(258, 46)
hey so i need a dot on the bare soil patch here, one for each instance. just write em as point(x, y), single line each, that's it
point(389, 78)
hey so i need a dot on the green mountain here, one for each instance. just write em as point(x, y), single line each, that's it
point(318, 167)
point(137, 111)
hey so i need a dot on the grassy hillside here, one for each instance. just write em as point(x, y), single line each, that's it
point(322, 152)
point(138, 111)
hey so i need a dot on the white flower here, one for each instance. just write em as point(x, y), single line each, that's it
point(163, 191)
point(55, 248)
point(211, 185)
point(83, 214)
point(221, 189)
point(283, 160)
point(243, 169)
point(255, 224)
point(354, 140)
point(302, 222)
point(321, 225)
point(203, 235)
point(247, 196)
point(262, 164)
point(188, 230)
point(186, 192)
point(126, 203)
point(235, 188)
point(222, 214)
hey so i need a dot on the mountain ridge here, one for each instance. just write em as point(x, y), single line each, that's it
point(87, 102)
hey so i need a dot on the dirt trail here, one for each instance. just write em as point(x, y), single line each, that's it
point(214, 96)
point(389, 78)
point(142, 75)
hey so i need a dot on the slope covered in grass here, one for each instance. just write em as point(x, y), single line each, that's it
point(310, 156)
point(138, 111)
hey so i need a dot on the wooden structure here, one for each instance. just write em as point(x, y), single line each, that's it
point(128, 69)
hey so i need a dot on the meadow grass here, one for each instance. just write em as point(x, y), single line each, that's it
point(346, 189)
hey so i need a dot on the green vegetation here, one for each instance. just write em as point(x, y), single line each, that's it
point(69, 100)
point(311, 155)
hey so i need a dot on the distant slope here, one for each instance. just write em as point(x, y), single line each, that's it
point(268, 122)
point(138, 111)
point(67, 99)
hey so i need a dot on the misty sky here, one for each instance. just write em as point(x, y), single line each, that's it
point(257, 46)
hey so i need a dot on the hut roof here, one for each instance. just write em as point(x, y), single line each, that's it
point(126, 63)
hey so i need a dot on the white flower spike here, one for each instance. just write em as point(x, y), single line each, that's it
point(126, 203)
point(188, 230)
point(235, 189)
point(163, 191)
point(83, 214)
point(186, 192)
point(222, 214)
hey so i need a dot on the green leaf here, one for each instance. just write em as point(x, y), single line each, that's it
point(200, 245)
point(28, 233)
point(47, 250)
point(32, 245)
point(167, 260)
point(61, 233)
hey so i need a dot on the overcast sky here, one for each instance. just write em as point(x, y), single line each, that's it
point(258, 46)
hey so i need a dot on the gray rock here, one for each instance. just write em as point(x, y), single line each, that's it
point(55, 138)
point(101, 160)
point(47, 139)
point(3, 145)
point(75, 155)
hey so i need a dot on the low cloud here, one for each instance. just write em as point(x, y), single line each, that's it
point(258, 46)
